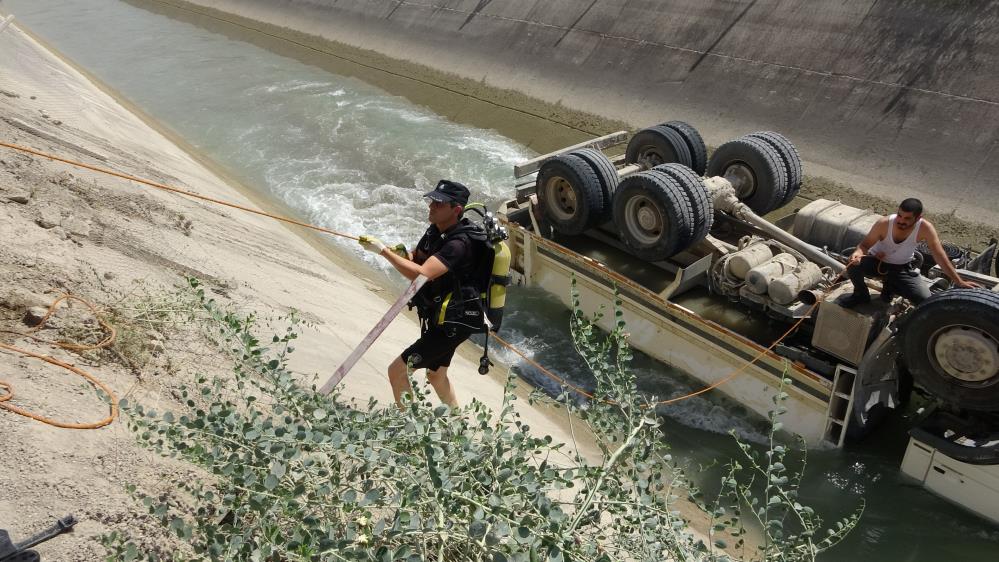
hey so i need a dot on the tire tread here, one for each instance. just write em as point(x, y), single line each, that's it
point(672, 196)
point(606, 174)
point(695, 143)
point(703, 208)
point(771, 180)
point(589, 193)
point(792, 162)
point(662, 133)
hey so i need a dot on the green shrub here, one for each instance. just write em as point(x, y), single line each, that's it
point(295, 475)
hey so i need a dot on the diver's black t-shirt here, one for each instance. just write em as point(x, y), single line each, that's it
point(453, 253)
point(451, 301)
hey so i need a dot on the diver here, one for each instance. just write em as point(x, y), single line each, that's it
point(449, 304)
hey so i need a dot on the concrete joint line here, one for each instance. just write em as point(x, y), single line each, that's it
point(602, 35)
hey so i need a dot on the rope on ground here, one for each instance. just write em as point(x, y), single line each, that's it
point(105, 342)
point(176, 190)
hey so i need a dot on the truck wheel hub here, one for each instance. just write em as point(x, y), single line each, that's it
point(647, 218)
point(651, 157)
point(563, 197)
point(742, 179)
point(967, 354)
point(644, 220)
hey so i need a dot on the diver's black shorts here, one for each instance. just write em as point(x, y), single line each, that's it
point(434, 349)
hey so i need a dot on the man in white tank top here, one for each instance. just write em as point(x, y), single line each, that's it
point(888, 250)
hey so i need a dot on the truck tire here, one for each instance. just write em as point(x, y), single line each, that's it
point(702, 205)
point(958, 257)
point(657, 145)
point(569, 194)
point(606, 175)
point(792, 162)
point(653, 215)
point(698, 150)
point(755, 169)
point(950, 344)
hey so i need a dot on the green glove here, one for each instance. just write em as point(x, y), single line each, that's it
point(371, 244)
point(401, 250)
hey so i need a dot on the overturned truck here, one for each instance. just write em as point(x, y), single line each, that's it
point(679, 236)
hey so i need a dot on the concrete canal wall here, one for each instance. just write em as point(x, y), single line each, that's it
point(894, 97)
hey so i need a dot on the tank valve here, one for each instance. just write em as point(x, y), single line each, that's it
point(484, 364)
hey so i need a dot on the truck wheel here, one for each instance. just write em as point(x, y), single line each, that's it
point(657, 145)
point(755, 169)
point(951, 346)
point(957, 256)
point(569, 194)
point(792, 162)
point(606, 175)
point(653, 215)
point(700, 201)
point(698, 151)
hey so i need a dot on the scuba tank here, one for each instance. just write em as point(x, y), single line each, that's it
point(494, 296)
point(499, 278)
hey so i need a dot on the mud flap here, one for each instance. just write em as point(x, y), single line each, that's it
point(877, 381)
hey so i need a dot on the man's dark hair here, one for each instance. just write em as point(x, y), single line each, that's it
point(911, 205)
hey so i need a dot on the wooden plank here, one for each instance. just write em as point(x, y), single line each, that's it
point(369, 339)
point(599, 143)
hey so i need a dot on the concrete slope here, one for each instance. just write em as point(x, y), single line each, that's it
point(893, 96)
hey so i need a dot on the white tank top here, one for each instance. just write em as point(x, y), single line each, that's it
point(897, 253)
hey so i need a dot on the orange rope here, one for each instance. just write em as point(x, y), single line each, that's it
point(175, 190)
point(108, 340)
point(509, 346)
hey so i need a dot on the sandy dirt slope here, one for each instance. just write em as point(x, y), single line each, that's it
point(115, 243)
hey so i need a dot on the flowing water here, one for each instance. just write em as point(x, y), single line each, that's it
point(350, 156)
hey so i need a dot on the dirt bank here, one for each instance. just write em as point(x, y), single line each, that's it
point(127, 249)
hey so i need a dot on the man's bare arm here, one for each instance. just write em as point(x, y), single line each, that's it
point(928, 233)
point(876, 233)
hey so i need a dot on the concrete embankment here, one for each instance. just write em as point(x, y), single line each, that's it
point(892, 97)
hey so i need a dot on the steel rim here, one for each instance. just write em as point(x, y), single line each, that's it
point(742, 178)
point(966, 354)
point(651, 156)
point(560, 198)
point(644, 220)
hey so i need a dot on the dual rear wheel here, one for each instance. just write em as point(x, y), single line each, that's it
point(763, 167)
point(670, 142)
point(665, 209)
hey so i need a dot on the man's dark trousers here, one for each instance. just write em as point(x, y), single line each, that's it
point(902, 279)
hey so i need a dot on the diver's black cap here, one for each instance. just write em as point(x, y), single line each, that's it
point(448, 191)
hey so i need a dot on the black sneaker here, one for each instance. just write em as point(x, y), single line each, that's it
point(852, 300)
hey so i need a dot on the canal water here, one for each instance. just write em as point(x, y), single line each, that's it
point(315, 134)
